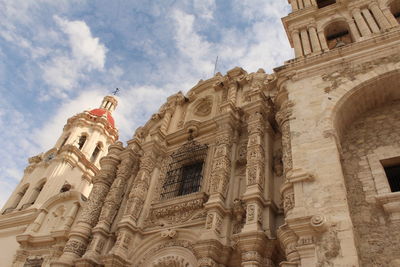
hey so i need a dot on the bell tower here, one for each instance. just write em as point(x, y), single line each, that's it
point(317, 26)
point(346, 66)
point(71, 163)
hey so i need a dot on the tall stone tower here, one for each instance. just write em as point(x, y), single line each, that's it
point(67, 167)
point(338, 101)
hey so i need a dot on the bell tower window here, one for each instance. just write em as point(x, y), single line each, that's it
point(337, 35)
point(95, 153)
point(82, 141)
point(185, 172)
point(324, 3)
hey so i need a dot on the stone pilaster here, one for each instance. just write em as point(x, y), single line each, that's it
point(111, 206)
point(79, 236)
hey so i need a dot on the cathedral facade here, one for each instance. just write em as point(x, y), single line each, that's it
point(297, 168)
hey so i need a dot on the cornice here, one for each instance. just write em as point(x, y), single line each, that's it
point(98, 123)
point(382, 45)
point(18, 218)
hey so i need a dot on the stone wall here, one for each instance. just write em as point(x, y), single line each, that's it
point(376, 237)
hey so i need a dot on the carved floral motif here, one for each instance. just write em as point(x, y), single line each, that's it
point(177, 212)
point(204, 106)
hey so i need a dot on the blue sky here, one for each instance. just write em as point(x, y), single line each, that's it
point(60, 57)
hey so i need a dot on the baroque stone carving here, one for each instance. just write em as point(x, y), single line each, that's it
point(222, 163)
point(204, 106)
point(177, 212)
point(350, 71)
point(169, 233)
point(171, 243)
point(76, 247)
point(282, 117)
point(288, 201)
point(171, 261)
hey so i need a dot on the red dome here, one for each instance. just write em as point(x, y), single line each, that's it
point(100, 113)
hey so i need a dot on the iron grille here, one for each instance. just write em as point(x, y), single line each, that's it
point(184, 173)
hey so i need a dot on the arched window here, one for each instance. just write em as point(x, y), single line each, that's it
point(96, 152)
point(17, 199)
point(82, 141)
point(34, 195)
point(324, 3)
point(337, 34)
point(395, 9)
point(64, 141)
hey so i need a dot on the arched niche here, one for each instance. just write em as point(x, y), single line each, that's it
point(366, 96)
point(337, 34)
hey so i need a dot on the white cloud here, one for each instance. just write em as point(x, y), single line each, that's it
point(204, 8)
point(190, 43)
point(66, 68)
point(86, 49)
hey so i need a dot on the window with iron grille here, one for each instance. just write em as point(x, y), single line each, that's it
point(185, 171)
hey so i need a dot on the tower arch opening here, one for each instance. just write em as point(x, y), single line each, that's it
point(366, 119)
point(82, 141)
point(337, 34)
point(324, 3)
point(35, 194)
point(395, 9)
point(96, 152)
point(17, 199)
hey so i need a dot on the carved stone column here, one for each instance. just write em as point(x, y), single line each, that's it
point(133, 209)
point(305, 41)
point(298, 50)
point(255, 248)
point(255, 171)
point(388, 14)
point(232, 91)
point(111, 206)
point(289, 241)
point(71, 216)
point(294, 5)
point(255, 150)
point(316, 47)
point(353, 30)
point(221, 161)
point(362, 25)
point(80, 234)
point(378, 14)
point(307, 3)
point(166, 120)
point(210, 253)
point(38, 221)
point(371, 22)
point(322, 39)
point(282, 117)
